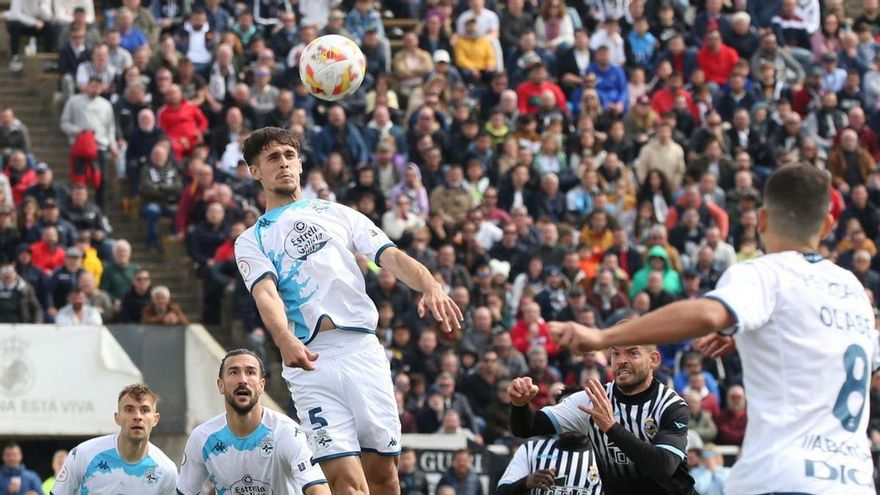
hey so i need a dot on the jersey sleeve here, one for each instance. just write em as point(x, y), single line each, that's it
point(518, 468)
point(366, 238)
point(70, 477)
point(298, 456)
point(252, 262)
point(193, 471)
point(169, 478)
point(748, 294)
point(567, 416)
point(672, 434)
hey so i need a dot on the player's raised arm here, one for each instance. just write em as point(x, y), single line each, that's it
point(271, 307)
point(523, 422)
point(675, 322)
point(416, 276)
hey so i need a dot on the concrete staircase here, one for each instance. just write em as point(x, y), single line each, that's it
point(30, 94)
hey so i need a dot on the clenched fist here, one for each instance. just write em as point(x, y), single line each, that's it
point(522, 391)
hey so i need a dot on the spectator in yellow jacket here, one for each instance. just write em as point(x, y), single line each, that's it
point(474, 54)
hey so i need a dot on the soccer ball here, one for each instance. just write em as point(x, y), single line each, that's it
point(332, 67)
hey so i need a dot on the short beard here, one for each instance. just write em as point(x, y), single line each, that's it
point(242, 410)
point(640, 378)
point(285, 190)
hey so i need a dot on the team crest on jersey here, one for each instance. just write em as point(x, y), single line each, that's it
point(322, 439)
point(266, 447)
point(62, 476)
point(151, 477)
point(301, 466)
point(248, 485)
point(305, 239)
point(593, 474)
point(650, 427)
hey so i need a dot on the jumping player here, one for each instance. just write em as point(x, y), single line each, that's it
point(299, 263)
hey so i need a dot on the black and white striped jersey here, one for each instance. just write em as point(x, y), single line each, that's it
point(658, 416)
point(575, 465)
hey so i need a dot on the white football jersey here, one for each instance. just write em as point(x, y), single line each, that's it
point(308, 247)
point(805, 333)
point(95, 467)
point(274, 459)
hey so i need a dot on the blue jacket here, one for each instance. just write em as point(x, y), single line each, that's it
point(29, 480)
point(611, 85)
point(324, 141)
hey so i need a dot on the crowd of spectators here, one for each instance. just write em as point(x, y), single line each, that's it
point(584, 161)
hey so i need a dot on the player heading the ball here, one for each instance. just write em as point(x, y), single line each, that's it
point(299, 263)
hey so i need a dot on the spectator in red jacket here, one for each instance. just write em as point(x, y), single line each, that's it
point(203, 181)
point(732, 420)
point(709, 212)
point(716, 59)
point(182, 121)
point(47, 254)
point(663, 100)
point(531, 330)
point(529, 92)
point(21, 177)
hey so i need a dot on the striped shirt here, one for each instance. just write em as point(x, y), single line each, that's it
point(575, 465)
point(657, 416)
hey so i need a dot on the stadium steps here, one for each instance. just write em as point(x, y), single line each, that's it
point(26, 93)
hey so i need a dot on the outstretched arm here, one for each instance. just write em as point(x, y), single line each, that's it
point(676, 322)
point(271, 308)
point(416, 276)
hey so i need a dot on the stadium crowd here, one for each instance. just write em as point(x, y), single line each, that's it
point(590, 160)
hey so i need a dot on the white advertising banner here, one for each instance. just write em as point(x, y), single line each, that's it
point(57, 381)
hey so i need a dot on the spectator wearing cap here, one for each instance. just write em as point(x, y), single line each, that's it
point(716, 59)
point(411, 64)
point(833, 76)
point(443, 68)
point(78, 311)
point(46, 187)
point(50, 216)
point(18, 301)
point(14, 134)
point(742, 37)
point(19, 175)
point(64, 280)
point(529, 92)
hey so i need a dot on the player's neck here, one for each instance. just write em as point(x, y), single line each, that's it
point(278, 200)
point(778, 244)
point(645, 385)
point(243, 425)
point(132, 451)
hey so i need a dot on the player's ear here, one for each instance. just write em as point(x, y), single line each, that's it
point(654, 358)
point(221, 387)
point(116, 418)
point(156, 419)
point(255, 171)
point(762, 220)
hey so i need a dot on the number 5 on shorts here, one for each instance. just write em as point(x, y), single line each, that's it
point(317, 421)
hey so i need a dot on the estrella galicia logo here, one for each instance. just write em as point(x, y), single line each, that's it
point(248, 485)
point(305, 239)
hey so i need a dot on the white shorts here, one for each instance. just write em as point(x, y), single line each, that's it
point(346, 405)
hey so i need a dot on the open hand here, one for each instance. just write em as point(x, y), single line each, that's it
point(442, 308)
point(601, 411)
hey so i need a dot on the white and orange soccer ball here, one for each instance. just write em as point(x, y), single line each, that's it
point(332, 67)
